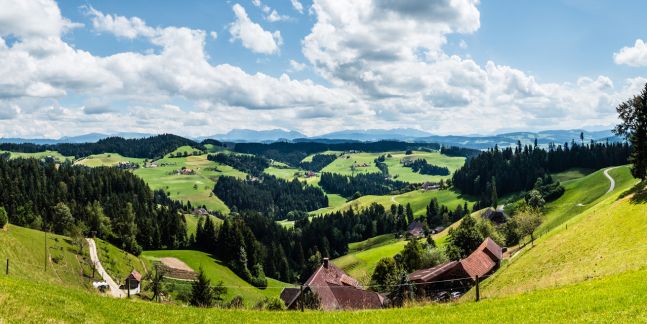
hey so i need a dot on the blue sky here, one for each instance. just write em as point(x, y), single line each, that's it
point(205, 67)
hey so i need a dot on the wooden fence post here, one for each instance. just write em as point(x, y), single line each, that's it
point(301, 298)
point(478, 293)
point(7, 271)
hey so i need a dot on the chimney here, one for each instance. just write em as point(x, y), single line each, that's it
point(325, 262)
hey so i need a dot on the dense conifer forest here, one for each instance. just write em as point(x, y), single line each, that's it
point(363, 183)
point(319, 161)
point(271, 195)
point(111, 203)
point(251, 164)
point(517, 169)
point(423, 167)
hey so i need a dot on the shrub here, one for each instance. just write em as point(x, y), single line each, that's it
point(236, 302)
point(3, 217)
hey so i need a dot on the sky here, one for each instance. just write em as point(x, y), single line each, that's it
point(199, 68)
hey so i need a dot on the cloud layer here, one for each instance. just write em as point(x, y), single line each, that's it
point(383, 62)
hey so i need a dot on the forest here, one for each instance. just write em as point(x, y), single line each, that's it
point(113, 204)
point(251, 164)
point(319, 161)
point(360, 184)
point(147, 148)
point(517, 169)
point(271, 195)
point(423, 167)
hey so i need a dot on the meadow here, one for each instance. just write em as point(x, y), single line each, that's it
point(107, 159)
point(217, 271)
point(58, 157)
point(608, 299)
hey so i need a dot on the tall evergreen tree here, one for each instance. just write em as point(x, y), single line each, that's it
point(633, 125)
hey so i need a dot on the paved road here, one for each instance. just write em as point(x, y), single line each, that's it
point(613, 182)
point(114, 287)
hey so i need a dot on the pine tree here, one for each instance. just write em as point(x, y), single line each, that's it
point(633, 116)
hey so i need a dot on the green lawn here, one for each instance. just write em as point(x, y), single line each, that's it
point(39, 155)
point(25, 249)
point(571, 174)
point(606, 239)
point(581, 194)
point(192, 222)
point(107, 159)
point(287, 173)
point(418, 199)
point(402, 173)
point(119, 263)
point(605, 300)
point(344, 163)
point(217, 271)
point(196, 188)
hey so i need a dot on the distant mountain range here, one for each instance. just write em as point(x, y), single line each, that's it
point(397, 134)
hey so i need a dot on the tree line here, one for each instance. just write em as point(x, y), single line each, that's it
point(269, 194)
point(319, 161)
point(113, 204)
point(423, 167)
point(251, 164)
point(149, 148)
point(360, 184)
point(517, 169)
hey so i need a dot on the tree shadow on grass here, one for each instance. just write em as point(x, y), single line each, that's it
point(639, 193)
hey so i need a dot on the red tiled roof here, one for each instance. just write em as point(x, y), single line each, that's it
point(483, 260)
point(429, 274)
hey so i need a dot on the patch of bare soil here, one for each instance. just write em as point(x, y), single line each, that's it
point(177, 269)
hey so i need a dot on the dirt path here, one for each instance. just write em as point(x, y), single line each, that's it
point(114, 287)
point(613, 182)
point(393, 200)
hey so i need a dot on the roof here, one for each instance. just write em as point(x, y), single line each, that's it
point(431, 273)
point(336, 290)
point(289, 295)
point(483, 260)
point(135, 275)
point(416, 228)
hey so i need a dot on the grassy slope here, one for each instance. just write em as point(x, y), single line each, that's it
point(406, 174)
point(604, 240)
point(418, 199)
point(581, 194)
point(181, 187)
point(611, 299)
point(217, 271)
point(343, 163)
point(119, 263)
point(192, 223)
point(39, 155)
point(25, 248)
point(571, 174)
point(107, 159)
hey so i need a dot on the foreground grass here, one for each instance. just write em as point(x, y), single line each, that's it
point(25, 249)
point(218, 271)
point(606, 239)
point(609, 299)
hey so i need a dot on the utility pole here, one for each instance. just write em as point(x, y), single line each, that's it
point(300, 297)
point(478, 293)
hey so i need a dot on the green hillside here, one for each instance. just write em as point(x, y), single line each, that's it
point(119, 263)
point(606, 239)
point(107, 159)
point(39, 155)
point(217, 271)
point(402, 173)
point(192, 223)
point(609, 299)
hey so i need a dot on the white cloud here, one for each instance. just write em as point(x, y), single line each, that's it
point(633, 56)
point(120, 26)
point(274, 17)
point(297, 5)
point(252, 35)
point(256, 3)
point(38, 18)
point(214, 35)
point(296, 66)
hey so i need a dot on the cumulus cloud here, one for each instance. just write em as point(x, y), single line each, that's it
point(633, 56)
point(297, 5)
point(252, 35)
point(38, 18)
point(296, 66)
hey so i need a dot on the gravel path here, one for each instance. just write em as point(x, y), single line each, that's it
point(613, 182)
point(114, 287)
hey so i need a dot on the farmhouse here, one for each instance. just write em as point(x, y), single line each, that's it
point(200, 212)
point(497, 216)
point(458, 276)
point(416, 229)
point(335, 289)
point(133, 282)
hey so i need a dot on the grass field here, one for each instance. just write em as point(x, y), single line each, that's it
point(418, 199)
point(343, 164)
point(25, 249)
point(571, 174)
point(119, 263)
point(39, 155)
point(107, 159)
point(609, 299)
point(217, 271)
point(581, 194)
point(195, 188)
point(192, 223)
point(402, 173)
point(288, 173)
point(606, 239)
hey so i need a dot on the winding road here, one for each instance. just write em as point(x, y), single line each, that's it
point(613, 182)
point(114, 287)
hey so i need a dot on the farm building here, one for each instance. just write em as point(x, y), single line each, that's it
point(335, 290)
point(416, 229)
point(458, 276)
point(133, 282)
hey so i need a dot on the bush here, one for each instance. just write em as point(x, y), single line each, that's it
point(3, 217)
point(275, 304)
point(236, 302)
